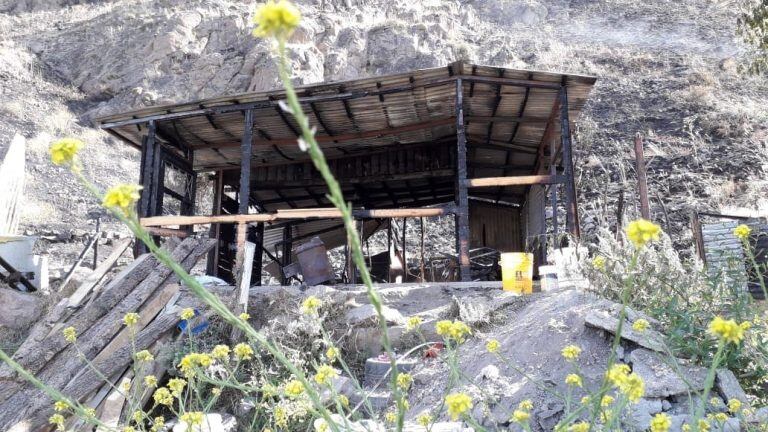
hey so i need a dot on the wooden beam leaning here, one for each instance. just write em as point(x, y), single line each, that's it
point(571, 211)
point(515, 181)
point(462, 196)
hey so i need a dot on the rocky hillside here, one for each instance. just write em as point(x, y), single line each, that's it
point(666, 69)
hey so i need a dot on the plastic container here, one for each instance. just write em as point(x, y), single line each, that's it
point(517, 272)
point(548, 276)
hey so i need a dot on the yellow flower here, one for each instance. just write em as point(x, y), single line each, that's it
point(686, 428)
point(492, 346)
point(742, 232)
point(131, 319)
point(525, 405)
point(70, 334)
point(220, 352)
point(64, 151)
point(404, 381)
point(726, 330)
point(192, 418)
point(122, 197)
point(413, 323)
point(277, 20)
point(150, 381)
point(310, 305)
point(633, 386)
point(660, 423)
point(571, 352)
point(177, 386)
point(144, 356)
point(458, 404)
point(642, 231)
point(281, 417)
point(746, 325)
point(244, 316)
point(640, 325)
point(294, 388)
point(158, 423)
point(216, 391)
point(343, 400)
point(192, 360)
point(585, 400)
point(617, 374)
point(443, 327)
point(579, 427)
point(598, 262)
point(90, 413)
point(321, 425)
point(424, 419)
point(734, 405)
point(137, 416)
point(703, 425)
point(187, 314)
point(243, 351)
point(60, 406)
point(573, 380)
point(606, 401)
point(332, 353)
point(720, 417)
point(125, 386)
point(163, 396)
point(390, 416)
point(325, 374)
point(455, 330)
point(128, 429)
point(520, 416)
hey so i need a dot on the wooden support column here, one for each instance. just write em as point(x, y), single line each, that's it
point(553, 188)
point(462, 196)
point(258, 259)
point(286, 246)
point(146, 204)
point(571, 211)
point(245, 189)
point(218, 192)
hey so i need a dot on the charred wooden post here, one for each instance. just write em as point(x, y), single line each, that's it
point(462, 196)
point(642, 178)
point(258, 258)
point(286, 252)
point(149, 155)
point(571, 211)
point(553, 188)
point(244, 193)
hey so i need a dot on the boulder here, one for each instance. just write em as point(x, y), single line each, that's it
point(20, 309)
point(366, 316)
point(641, 413)
point(728, 386)
point(603, 320)
point(663, 379)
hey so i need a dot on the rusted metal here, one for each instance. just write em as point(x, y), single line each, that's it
point(13, 277)
point(314, 263)
point(642, 179)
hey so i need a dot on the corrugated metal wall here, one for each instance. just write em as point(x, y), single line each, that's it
point(725, 257)
point(494, 226)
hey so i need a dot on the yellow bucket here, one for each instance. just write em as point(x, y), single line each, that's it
point(517, 272)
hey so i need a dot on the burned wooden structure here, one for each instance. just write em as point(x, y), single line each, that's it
point(490, 146)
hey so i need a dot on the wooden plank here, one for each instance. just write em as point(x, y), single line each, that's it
point(95, 277)
point(113, 404)
point(330, 213)
point(515, 180)
point(244, 283)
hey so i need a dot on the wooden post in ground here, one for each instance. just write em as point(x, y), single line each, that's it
point(286, 246)
point(571, 210)
point(642, 178)
point(244, 284)
point(462, 196)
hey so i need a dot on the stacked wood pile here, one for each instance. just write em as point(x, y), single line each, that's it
point(145, 287)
